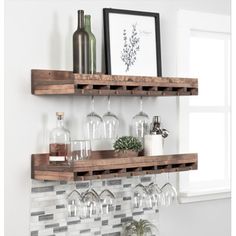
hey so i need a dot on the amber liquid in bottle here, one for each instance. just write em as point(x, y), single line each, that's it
point(59, 146)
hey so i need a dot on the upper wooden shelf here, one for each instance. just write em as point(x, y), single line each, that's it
point(52, 82)
point(103, 165)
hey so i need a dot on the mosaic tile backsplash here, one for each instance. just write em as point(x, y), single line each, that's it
point(48, 216)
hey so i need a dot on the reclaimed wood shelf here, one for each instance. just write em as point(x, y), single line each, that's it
point(104, 165)
point(53, 82)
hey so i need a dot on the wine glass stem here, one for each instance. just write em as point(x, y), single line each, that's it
point(141, 104)
point(108, 104)
point(92, 103)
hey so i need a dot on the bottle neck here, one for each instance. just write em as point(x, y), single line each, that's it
point(80, 19)
point(60, 122)
point(87, 19)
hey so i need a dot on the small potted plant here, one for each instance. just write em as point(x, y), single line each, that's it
point(139, 228)
point(127, 146)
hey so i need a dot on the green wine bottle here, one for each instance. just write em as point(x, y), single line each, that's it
point(81, 47)
point(92, 45)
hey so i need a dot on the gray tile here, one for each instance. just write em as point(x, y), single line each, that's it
point(118, 207)
point(137, 213)
point(146, 179)
point(97, 219)
point(85, 231)
point(126, 198)
point(81, 185)
point(60, 229)
point(112, 234)
point(63, 182)
point(60, 206)
point(147, 209)
point(60, 192)
point(127, 185)
point(34, 233)
point(42, 189)
point(74, 222)
point(37, 213)
point(46, 217)
point(97, 233)
point(51, 225)
point(120, 216)
point(105, 222)
point(127, 219)
point(114, 182)
point(117, 226)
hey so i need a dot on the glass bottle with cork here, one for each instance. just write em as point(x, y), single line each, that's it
point(59, 141)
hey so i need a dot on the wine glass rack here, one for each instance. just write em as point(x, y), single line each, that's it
point(104, 164)
point(53, 82)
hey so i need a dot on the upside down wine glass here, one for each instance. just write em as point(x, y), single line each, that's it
point(93, 123)
point(140, 123)
point(110, 122)
point(169, 193)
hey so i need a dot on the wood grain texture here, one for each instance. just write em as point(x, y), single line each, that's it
point(52, 82)
point(104, 164)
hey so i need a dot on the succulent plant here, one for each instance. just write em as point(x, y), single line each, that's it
point(127, 143)
point(139, 228)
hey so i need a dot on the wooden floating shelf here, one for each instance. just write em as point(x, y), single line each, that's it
point(52, 82)
point(103, 165)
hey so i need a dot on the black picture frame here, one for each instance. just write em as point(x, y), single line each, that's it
point(106, 16)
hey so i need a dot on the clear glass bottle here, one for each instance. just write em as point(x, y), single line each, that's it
point(59, 141)
point(81, 47)
point(92, 45)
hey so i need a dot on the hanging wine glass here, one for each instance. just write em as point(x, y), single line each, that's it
point(93, 123)
point(107, 201)
point(140, 197)
point(91, 207)
point(140, 123)
point(110, 123)
point(74, 201)
point(169, 193)
point(155, 193)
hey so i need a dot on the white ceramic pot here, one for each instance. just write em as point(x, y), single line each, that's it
point(153, 145)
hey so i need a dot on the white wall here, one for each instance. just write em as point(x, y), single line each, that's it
point(39, 35)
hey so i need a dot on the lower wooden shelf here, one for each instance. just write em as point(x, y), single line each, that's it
point(104, 165)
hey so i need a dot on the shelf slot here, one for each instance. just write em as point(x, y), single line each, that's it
point(104, 164)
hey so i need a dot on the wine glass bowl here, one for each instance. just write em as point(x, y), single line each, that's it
point(140, 123)
point(169, 194)
point(73, 203)
point(107, 201)
point(110, 123)
point(93, 124)
point(156, 194)
point(90, 204)
point(140, 196)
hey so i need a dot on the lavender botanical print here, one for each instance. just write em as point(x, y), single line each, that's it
point(132, 43)
point(131, 47)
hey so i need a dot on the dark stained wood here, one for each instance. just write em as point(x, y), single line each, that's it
point(51, 82)
point(104, 164)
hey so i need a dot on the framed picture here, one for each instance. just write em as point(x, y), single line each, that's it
point(132, 42)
